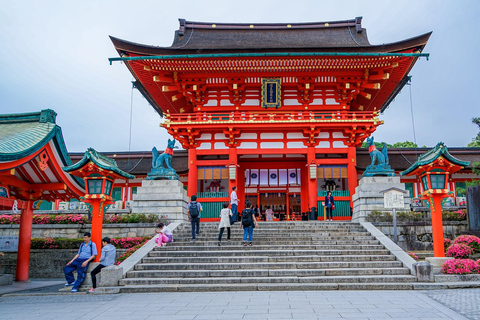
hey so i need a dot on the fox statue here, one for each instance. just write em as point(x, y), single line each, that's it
point(165, 159)
point(378, 158)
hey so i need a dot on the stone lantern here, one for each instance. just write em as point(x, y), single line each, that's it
point(434, 169)
point(99, 173)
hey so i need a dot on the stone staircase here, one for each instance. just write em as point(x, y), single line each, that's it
point(284, 256)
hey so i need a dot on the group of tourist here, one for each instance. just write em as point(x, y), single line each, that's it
point(86, 254)
point(88, 250)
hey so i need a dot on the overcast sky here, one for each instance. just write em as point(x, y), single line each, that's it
point(55, 55)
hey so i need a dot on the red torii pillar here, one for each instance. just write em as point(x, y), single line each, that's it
point(24, 241)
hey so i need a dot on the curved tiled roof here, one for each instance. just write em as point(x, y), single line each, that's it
point(101, 161)
point(204, 37)
point(24, 133)
point(433, 154)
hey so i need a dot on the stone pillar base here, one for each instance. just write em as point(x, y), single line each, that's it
point(162, 197)
point(437, 263)
point(368, 198)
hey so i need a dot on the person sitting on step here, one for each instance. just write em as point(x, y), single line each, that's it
point(165, 235)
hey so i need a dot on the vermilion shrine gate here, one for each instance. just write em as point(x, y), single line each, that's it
point(274, 109)
point(32, 156)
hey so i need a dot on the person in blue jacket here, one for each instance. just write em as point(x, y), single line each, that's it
point(109, 254)
point(329, 204)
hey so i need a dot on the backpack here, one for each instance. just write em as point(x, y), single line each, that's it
point(194, 211)
point(247, 219)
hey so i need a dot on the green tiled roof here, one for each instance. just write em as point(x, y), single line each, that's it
point(101, 161)
point(24, 133)
point(431, 155)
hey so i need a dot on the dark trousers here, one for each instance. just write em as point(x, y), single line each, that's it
point(234, 212)
point(329, 212)
point(220, 234)
point(195, 222)
point(75, 265)
point(94, 274)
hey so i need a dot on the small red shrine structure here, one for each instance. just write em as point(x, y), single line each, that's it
point(434, 169)
point(274, 109)
point(99, 173)
point(32, 154)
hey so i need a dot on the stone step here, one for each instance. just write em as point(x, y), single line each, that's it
point(277, 238)
point(266, 272)
point(214, 247)
point(268, 265)
point(237, 245)
point(250, 251)
point(264, 287)
point(269, 243)
point(305, 280)
point(269, 232)
point(256, 259)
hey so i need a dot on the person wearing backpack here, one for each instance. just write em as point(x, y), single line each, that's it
point(248, 223)
point(194, 209)
point(86, 254)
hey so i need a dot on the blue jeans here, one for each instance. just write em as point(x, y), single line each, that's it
point(195, 222)
point(247, 231)
point(75, 265)
point(234, 212)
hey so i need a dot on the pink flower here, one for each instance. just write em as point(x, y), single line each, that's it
point(460, 266)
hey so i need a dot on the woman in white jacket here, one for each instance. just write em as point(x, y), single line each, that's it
point(225, 215)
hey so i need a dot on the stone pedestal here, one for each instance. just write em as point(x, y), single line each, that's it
point(368, 196)
point(87, 281)
point(437, 263)
point(162, 197)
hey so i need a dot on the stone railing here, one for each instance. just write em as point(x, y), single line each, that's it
point(417, 235)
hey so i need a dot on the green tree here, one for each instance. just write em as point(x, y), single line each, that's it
point(475, 141)
point(406, 144)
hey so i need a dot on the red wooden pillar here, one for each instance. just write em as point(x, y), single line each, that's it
point(304, 189)
point(24, 240)
point(233, 161)
point(352, 172)
point(97, 226)
point(241, 188)
point(192, 172)
point(437, 226)
point(312, 183)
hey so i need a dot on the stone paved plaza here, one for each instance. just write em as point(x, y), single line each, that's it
point(358, 305)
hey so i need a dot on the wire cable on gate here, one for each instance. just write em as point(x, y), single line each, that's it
point(130, 134)
point(409, 83)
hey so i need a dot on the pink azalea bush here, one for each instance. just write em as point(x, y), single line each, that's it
point(447, 243)
point(46, 219)
point(459, 251)
point(413, 255)
point(129, 242)
point(129, 252)
point(460, 266)
point(471, 241)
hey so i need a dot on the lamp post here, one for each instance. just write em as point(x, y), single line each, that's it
point(99, 174)
point(434, 168)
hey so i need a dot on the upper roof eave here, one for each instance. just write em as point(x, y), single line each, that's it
point(128, 47)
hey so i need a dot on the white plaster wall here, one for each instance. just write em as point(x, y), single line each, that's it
point(296, 144)
point(205, 136)
point(220, 145)
point(205, 145)
point(248, 145)
point(271, 135)
point(338, 144)
point(271, 145)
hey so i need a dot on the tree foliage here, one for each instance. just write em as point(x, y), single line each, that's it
point(475, 141)
point(405, 144)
